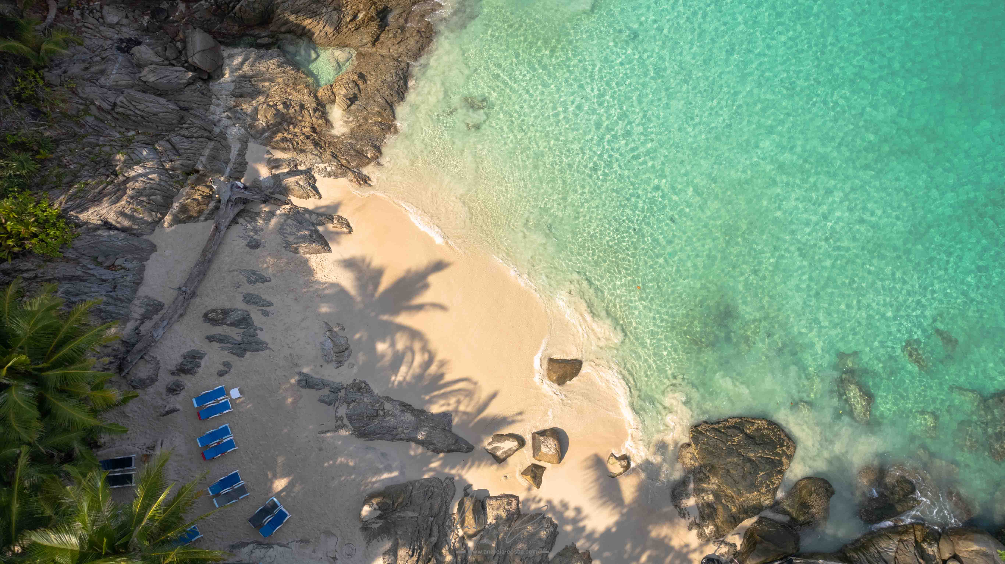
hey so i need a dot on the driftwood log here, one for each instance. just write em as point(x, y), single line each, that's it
point(232, 201)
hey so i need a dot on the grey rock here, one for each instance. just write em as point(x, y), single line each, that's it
point(191, 362)
point(471, 517)
point(256, 300)
point(145, 373)
point(112, 14)
point(503, 508)
point(513, 538)
point(299, 233)
point(248, 342)
point(971, 546)
point(904, 544)
point(372, 417)
point(618, 465)
point(334, 347)
point(807, 503)
point(198, 200)
point(254, 277)
point(175, 387)
point(254, 243)
point(146, 110)
point(202, 50)
point(414, 520)
point(572, 555)
point(859, 400)
point(504, 445)
point(546, 446)
point(298, 184)
point(264, 312)
point(885, 493)
point(766, 540)
point(229, 316)
point(734, 467)
point(144, 56)
point(166, 78)
point(534, 474)
point(169, 408)
point(563, 370)
point(227, 367)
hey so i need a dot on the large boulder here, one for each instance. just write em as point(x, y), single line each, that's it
point(546, 446)
point(504, 445)
point(572, 555)
point(202, 50)
point(885, 493)
point(563, 370)
point(904, 544)
point(970, 546)
point(414, 517)
point(513, 538)
point(767, 540)
point(618, 465)
point(534, 474)
point(734, 467)
point(471, 517)
point(807, 503)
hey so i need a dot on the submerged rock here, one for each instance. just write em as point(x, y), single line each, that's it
point(885, 494)
point(912, 350)
point(807, 503)
point(949, 342)
point(734, 467)
point(534, 474)
point(858, 399)
point(503, 445)
point(563, 370)
point(766, 541)
point(618, 465)
point(547, 446)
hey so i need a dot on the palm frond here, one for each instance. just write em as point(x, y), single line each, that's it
point(66, 412)
point(150, 492)
point(19, 413)
point(57, 544)
point(9, 300)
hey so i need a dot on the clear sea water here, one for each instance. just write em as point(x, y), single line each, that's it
point(743, 190)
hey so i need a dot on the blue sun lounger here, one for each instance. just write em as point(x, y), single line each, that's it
point(225, 483)
point(214, 436)
point(191, 534)
point(118, 464)
point(219, 450)
point(214, 410)
point(273, 524)
point(208, 397)
point(264, 512)
point(231, 495)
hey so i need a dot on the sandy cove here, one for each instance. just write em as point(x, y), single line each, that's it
point(444, 329)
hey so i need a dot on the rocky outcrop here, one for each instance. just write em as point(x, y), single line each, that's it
point(563, 370)
point(511, 537)
point(970, 546)
point(371, 417)
point(572, 555)
point(202, 50)
point(733, 468)
point(546, 446)
point(618, 465)
point(471, 516)
point(415, 518)
point(885, 493)
point(335, 348)
point(504, 445)
point(807, 503)
point(912, 544)
point(766, 540)
point(191, 362)
point(850, 388)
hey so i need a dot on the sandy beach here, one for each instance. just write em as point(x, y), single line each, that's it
point(442, 328)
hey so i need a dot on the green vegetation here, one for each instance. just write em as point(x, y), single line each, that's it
point(21, 37)
point(54, 504)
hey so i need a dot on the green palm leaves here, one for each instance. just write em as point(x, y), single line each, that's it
point(25, 40)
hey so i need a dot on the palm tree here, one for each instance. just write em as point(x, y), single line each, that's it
point(89, 527)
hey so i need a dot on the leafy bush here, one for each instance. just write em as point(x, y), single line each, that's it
point(30, 225)
point(28, 87)
point(20, 156)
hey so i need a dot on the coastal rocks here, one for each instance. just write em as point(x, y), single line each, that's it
point(471, 515)
point(926, 423)
point(230, 317)
point(239, 347)
point(511, 537)
point(856, 395)
point(299, 232)
point(253, 276)
point(766, 541)
point(547, 446)
point(734, 467)
point(166, 78)
point(563, 370)
point(912, 350)
point(144, 56)
point(970, 546)
point(175, 387)
point(255, 300)
point(618, 465)
point(903, 544)
point(334, 347)
point(414, 518)
point(884, 494)
point(504, 445)
point(202, 51)
point(534, 474)
point(572, 555)
point(145, 373)
point(227, 367)
point(372, 417)
point(807, 503)
point(949, 342)
point(191, 362)
point(197, 202)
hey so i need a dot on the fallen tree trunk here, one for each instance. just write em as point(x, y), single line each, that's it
point(231, 203)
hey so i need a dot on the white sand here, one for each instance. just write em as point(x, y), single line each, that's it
point(444, 329)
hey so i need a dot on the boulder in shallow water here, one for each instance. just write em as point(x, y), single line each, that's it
point(884, 494)
point(534, 474)
point(912, 350)
point(546, 446)
point(504, 445)
point(859, 400)
point(735, 467)
point(563, 370)
point(970, 546)
point(767, 540)
point(807, 503)
point(618, 465)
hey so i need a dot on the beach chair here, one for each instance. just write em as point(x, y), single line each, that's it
point(208, 397)
point(215, 409)
point(118, 464)
point(191, 534)
point(225, 483)
point(219, 450)
point(230, 496)
point(264, 512)
point(273, 524)
point(119, 480)
point(214, 436)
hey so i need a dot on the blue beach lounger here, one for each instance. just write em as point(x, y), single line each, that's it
point(232, 495)
point(219, 450)
point(191, 534)
point(208, 397)
point(225, 483)
point(214, 436)
point(119, 480)
point(264, 512)
point(273, 524)
point(117, 464)
point(214, 410)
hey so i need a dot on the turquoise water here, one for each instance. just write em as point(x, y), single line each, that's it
point(322, 64)
point(743, 190)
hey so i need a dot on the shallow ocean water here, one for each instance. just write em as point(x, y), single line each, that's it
point(742, 191)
